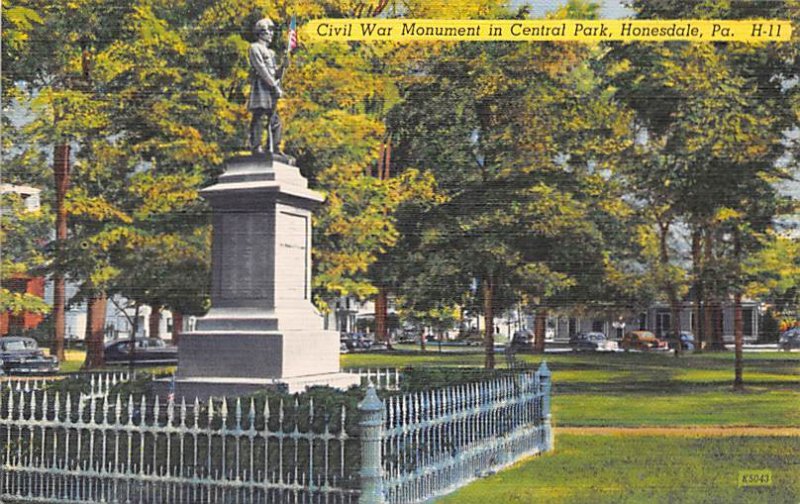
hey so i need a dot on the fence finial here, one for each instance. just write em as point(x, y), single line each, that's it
point(546, 385)
point(544, 370)
point(371, 424)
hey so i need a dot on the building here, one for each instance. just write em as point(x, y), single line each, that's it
point(20, 283)
point(658, 320)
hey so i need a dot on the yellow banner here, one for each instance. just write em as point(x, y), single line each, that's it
point(412, 30)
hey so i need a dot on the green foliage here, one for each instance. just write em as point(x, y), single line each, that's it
point(775, 273)
point(427, 378)
point(23, 234)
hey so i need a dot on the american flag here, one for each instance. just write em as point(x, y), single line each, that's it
point(292, 34)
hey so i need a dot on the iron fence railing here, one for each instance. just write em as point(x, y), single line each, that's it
point(434, 441)
point(407, 447)
point(58, 449)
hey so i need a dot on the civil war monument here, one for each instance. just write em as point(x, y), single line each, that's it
point(262, 330)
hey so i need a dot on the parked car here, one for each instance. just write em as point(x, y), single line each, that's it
point(522, 340)
point(642, 340)
point(146, 351)
point(407, 337)
point(472, 337)
point(592, 341)
point(343, 347)
point(789, 339)
point(21, 355)
point(356, 341)
point(687, 341)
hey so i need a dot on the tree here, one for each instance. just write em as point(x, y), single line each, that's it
point(22, 233)
point(718, 121)
point(774, 273)
point(178, 75)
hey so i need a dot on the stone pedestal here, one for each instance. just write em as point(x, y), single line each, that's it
point(262, 330)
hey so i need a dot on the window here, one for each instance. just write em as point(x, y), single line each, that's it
point(598, 325)
point(747, 319)
point(663, 323)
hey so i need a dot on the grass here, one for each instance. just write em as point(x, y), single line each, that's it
point(757, 407)
point(75, 358)
point(73, 361)
point(634, 469)
point(641, 389)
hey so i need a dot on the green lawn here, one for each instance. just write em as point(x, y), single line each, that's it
point(73, 362)
point(627, 389)
point(717, 406)
point(645, 469)
point(639, 389)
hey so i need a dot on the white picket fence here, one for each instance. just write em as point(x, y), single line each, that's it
point(381, 378)
point(406, 448)
point(100, 382)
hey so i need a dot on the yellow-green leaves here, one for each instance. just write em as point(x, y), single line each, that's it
point(164, 193)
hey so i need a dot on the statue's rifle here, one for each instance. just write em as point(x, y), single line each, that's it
point(279, 77)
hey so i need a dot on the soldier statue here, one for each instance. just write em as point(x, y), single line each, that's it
point(265, 89)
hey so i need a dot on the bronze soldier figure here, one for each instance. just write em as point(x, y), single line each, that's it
point(265, 89)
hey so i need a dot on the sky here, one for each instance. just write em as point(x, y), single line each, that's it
point(611, 9)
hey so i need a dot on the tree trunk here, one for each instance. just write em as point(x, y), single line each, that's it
point(540, 330)
point(699, 328)
point(132, 341)
point(177, 327)
point(675, 312)
point(154, 322)
point(738, 335)
point(95, 331)
point(718, 326)
point(712, 306)
point(488, 316)
point(672, 291)
point(738, 322)
point(381, 308)
point(61, 176)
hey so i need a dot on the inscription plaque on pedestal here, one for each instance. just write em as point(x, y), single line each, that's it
point(244, 268)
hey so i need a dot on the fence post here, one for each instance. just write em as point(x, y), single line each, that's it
point(371, 424)
point(546, 383)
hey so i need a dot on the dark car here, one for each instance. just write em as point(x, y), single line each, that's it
point(789, 340)
point(522, 340)
point(20, 355)
point(642, 340)
point(147, 351)
point(593, 342)
point(687, 341)
point(356, 341)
